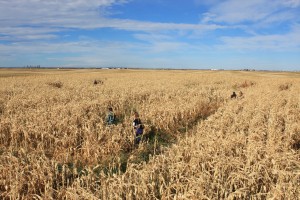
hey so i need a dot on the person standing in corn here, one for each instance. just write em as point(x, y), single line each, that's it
point(110, 118)
point(138, 127)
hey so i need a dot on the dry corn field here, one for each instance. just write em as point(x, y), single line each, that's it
point(198, 143)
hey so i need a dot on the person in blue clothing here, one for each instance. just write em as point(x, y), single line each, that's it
point(138, 127)
point(110, 118)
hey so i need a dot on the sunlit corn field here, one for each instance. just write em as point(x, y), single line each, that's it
point(198, 142)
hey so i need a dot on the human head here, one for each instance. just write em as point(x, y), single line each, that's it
point(110, 109)
point(136, 115)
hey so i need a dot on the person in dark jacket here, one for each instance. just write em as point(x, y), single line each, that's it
point(138, 127)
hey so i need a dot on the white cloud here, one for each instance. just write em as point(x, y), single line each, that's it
point(96, 53)
point(79, 53)
point(28, 33)
point(24, 10)
point(291, 3)
point(40, 19)
point(154, 26)
point(152, 37)
point(236, 11)
point(285, 42)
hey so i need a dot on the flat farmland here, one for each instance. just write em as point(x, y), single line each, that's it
point(198, 142)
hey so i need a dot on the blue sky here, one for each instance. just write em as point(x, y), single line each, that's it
point(228, 34)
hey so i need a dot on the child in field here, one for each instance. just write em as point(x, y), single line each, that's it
point(110, 118)
point(138, 127)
